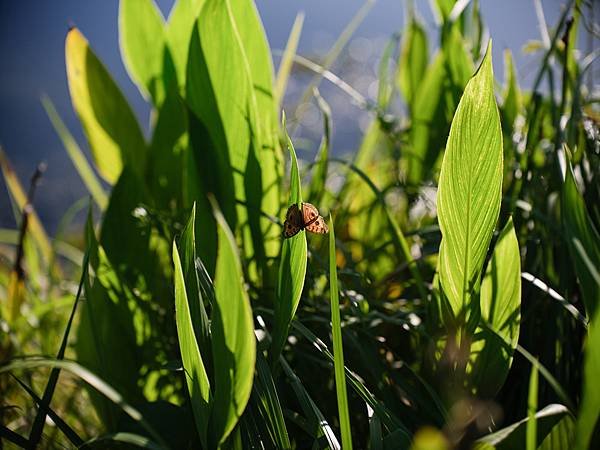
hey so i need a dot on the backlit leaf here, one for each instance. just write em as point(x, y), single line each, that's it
point(470, 188)
point(233, 340)
point(112, 130)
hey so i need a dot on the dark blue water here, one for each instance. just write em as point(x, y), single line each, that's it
point(32, 54)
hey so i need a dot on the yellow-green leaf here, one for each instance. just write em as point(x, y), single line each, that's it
point(143, 48)
point(233, 340)
point(195, 372)
point(113, 133)
point(469, 192)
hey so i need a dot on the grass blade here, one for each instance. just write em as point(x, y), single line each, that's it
point(285, 66)
point(589, 410)
point(532, 404)
point(338, 350)
point(78, 159)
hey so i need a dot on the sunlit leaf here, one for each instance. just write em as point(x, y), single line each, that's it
point(413, 60)
point(589, 410)
point(112, 130)
point(500, 301)
point(292, 268)
point(338, 349)
point(233, 341)
point(143, 48)
point(195, 371)
point(470, 189)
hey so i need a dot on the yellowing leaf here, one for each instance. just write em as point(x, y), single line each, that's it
point(113, 133)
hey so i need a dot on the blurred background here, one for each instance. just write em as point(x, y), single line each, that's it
point(32, 54)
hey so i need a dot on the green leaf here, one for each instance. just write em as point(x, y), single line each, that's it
point(143, 48)
point(179, 33)
point(500, 301)
point(228, 88)
point(578, 226)
point(514, 436)
point(413, 60)
point(589, 410)
point(106, 342)
point(338, 348)
point(233, 340)
point(167, 153)
point(511, 104)
point(292, 268)
point(194, 292)
point(195, 371)
point(469, 192)
point(112, 131)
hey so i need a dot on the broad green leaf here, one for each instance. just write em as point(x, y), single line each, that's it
point(76, 154)
point(112, 131)
point(589, 410)
point(144, 49)
point(292, 268)
point(229, 83)
point(469, 192)
point(338, 349)
point(413, 60)
point(514, 436)
point(264, 170)
point(500, 300)
point(179, 28)
point(167, 154)
point(193, 365)
point(233, 340)
point(106, 342)
point(579, 227)
point(218, 92)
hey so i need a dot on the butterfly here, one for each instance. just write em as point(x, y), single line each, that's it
point(308, 219)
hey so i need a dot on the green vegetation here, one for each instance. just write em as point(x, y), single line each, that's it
point(181, 318)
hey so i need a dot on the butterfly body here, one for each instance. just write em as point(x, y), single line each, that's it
point(306, 217)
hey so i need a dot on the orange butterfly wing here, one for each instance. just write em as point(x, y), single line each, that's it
point(318, 226)
point(309, 213)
